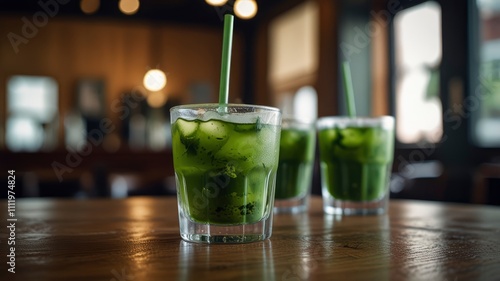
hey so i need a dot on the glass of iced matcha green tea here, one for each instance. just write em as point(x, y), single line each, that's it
point(356, 156)
point(296, 161)
point(225, 162)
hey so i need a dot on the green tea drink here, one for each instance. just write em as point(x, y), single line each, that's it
point(295, 167)
point(295, 163)
point(356, 157)
point(225, 165)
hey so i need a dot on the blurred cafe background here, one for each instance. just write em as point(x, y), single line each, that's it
point(86, 86)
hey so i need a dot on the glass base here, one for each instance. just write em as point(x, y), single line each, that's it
point(334, 206)
point(224, 234)
point(291, 206)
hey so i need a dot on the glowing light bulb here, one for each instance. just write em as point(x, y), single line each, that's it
point(245, 9)
point(216, 2)
point(129, 7)
point(89, 6)
point(155, 80)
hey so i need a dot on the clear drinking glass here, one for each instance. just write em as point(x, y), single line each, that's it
point(296, 161)
point(356, 156)
point(225, 161)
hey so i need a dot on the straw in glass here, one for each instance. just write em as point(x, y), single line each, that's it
point(349, 92)
point(227, 43)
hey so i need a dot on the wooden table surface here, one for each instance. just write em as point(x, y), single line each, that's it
point(138, 239)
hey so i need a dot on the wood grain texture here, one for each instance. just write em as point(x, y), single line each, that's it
point(138, 239)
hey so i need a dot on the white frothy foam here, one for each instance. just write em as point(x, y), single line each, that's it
point(269, 118)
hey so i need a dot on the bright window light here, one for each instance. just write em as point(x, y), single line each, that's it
point(486, 117)
point(418, 57)
point(32, 106)
point(305, 104)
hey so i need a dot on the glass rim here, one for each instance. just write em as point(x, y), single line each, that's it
point(196, 106)
point(291, 122)
point(344, 121)
point(289, 117)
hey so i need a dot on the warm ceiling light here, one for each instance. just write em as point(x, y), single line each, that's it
point(129, 7)
point(89, 6)
point(216, 2)
point(245, 9)
point(155, 80)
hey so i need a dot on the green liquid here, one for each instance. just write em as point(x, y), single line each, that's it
point(356, 162)
point(225, 171)
point(295, 163)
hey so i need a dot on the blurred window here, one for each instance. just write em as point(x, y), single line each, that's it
point(305, 104)
point(32, 111)
point(417, 39)
point(293, 45)
point(486, 131)
point(293, 60)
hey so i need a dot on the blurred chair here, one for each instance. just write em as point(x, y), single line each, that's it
point(486, 183)
point(421, 181)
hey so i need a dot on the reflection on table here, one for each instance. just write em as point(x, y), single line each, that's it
point(138, 239)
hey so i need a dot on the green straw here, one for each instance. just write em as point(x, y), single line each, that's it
point(227, 43)
point(349, 92)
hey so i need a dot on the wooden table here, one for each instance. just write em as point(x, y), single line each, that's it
point(138, 239)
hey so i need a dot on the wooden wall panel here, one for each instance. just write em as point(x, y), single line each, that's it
point(120, 53)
